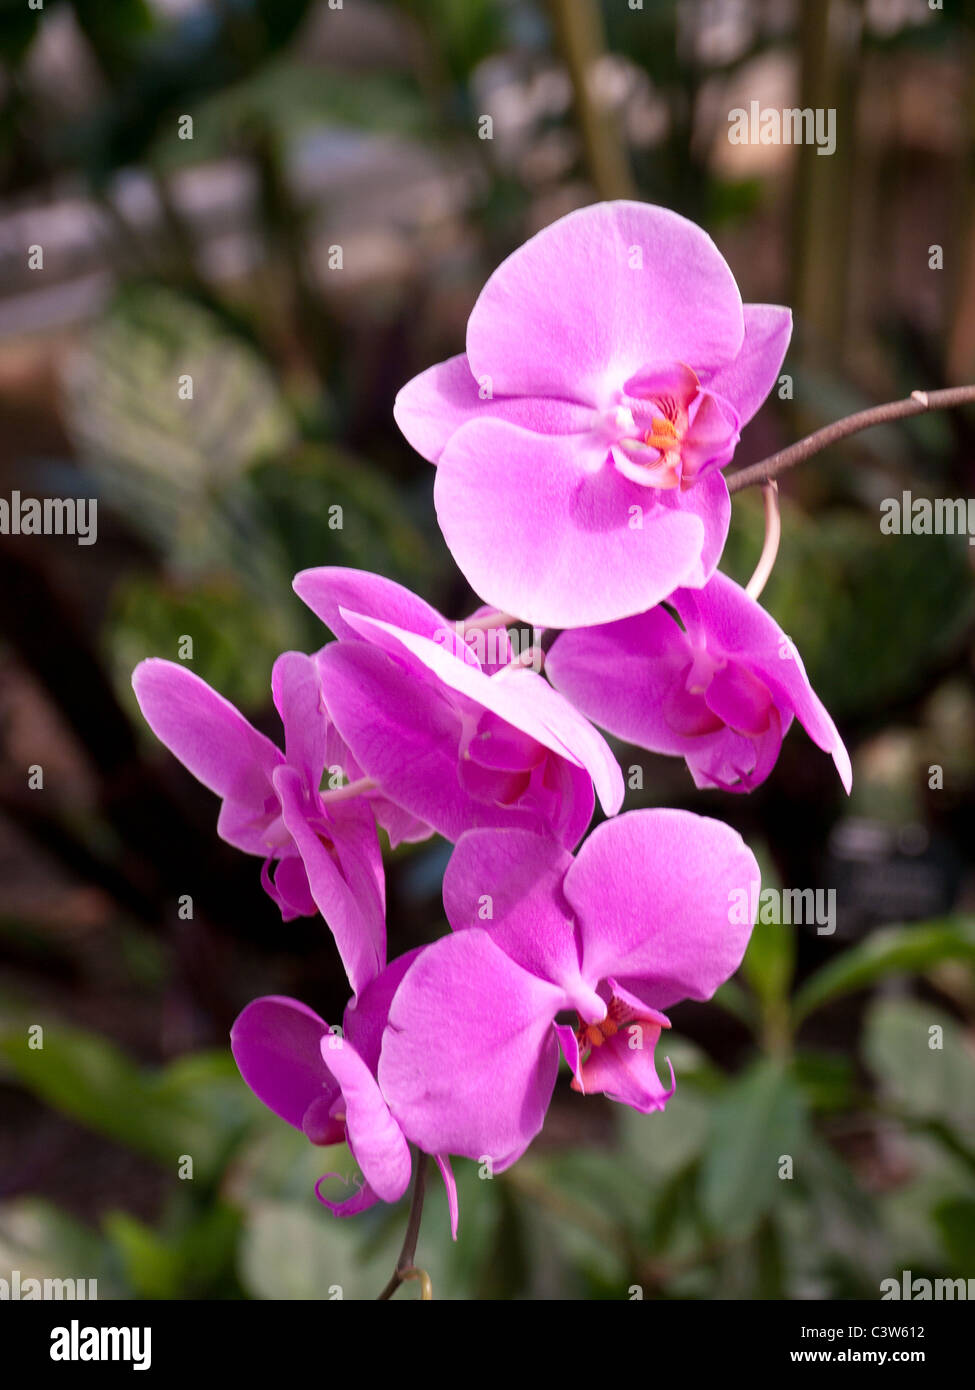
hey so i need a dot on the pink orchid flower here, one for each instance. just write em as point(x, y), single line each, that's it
point(719, 687)
point(641, 918)
point(458, 744)
point(322, 1081)
point(324, 854)
point(610, 365)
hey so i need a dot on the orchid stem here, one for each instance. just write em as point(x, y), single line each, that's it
point(917, 403)
point(489, 620)
point(350, 789)
point(773, 534)
point(405, 1268)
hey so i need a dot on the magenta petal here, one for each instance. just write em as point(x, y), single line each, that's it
point(447, 1173)
point(330, 589)
point(527, 559)
point(747, 380)
point(297, 698)
point(289, 887)
point(354, 916)
point(710, 502)
point(366, 1016)
point(403, 734)
point(520, 871)
point(649, 657)
point(215, 742)
point(437, 402)
point(664, 380)
point(590, 299)
point(276, 1045)
point(374, 1137)
point(736, 762)
point(569, 1044)
point(656, 898)
point(361, 1200)
point(740, 699)
point(407, 729)
point(626, 1074)
point(509, 882)
point(711, 437)
point(740, 626)
point(469, 1060)
point(521, 698)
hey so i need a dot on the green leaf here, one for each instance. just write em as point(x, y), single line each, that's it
point(825, 1078)
point(895, 950)
point(924, 1062)
point(298, 1251)
point(733, 999)
point(92, 1080)
point(955, 1220)
point(151, 1266)
point(170, 461)
point(43, 1242)
point(760, 1118)
point(770, 961)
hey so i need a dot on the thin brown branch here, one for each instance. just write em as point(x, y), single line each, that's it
point(917, 403)
point(405, 1268)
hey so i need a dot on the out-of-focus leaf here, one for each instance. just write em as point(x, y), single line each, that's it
point(235, 640)
point(18, 25)
point(90, 1079)
point(300, 1251)
point(733, 999)
point(826, 1079)
point(43, 1242)
point(170, 463)
point(330, 508)
point(115, 32)
point(924, 1061)
point(759, 1119)
point(656, 1146)
point(897, 950)
point(289, 101)
point(770, 961)
point(464, 32)
point(190, 1258)
point(152, 1267)
point(955, 1220)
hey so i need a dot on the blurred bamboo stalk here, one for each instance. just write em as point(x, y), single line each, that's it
point(960, 348)
point(830, 43)
point(582, 39)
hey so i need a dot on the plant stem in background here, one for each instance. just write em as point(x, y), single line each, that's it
point(405, 1268)
point(917, 403)
point(773, 534)
point(582, 39)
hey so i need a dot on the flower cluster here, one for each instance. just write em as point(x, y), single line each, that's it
point(579, 444)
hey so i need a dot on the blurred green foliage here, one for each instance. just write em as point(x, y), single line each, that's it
point(726, 1184)
point(808, 1167)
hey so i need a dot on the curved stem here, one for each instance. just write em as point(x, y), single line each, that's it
point(494, 618)
point(357, 788)
point(917, 403)
point(405, 1268)
point(773, 534)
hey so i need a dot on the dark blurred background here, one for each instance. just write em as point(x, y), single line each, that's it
point(295, 203)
